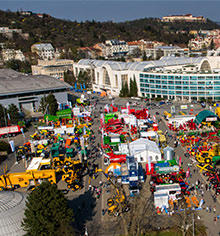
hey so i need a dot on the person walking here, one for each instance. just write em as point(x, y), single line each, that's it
point(207, 209)
point(214, 209)
point(210, 209)
point(206, 187)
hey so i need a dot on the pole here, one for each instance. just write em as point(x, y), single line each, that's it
point(193, 224)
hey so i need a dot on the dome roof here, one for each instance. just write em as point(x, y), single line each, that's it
point(12, 205)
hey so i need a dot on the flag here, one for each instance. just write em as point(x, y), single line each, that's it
point(128, 108)
point(9, 116)
point(84, 86)
point(81, 86)
point(149, 164)
point(147, 113)
point(180, 160)
point(154, 119)
point(22, 131)
point(102, 120)
point(75, 85)
point(107, 108)
point(187, 173)
point(12, 145)
point(84, 130)
point(112, 102)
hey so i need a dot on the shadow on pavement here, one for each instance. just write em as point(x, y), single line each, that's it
point(84, 210)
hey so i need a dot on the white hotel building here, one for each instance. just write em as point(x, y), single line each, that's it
point(178, 78)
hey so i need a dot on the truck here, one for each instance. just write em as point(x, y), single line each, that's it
point(9, 131)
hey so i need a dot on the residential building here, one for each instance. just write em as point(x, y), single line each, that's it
point(159, 51)
point(116, 48)
point(55, 68)
point(187, 18)
point(26, 91)
point(199, 43)
point(45, 51)
point(89, 52)
point(177, 78)
point(12, 54)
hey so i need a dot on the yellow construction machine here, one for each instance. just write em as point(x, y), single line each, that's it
point(117, 203)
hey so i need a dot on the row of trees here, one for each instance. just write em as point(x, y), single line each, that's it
point(131, 91)
point(9, 115)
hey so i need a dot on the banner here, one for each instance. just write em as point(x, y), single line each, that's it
point(12, 145)
point(128, 108)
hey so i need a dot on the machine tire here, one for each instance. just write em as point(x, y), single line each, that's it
point(69, 186)
point(67, 180)
point(207, 160)
point(110, 202)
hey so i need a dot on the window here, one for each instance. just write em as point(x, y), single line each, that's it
point(116, 81)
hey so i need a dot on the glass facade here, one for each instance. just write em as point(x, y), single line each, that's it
point(180, 86)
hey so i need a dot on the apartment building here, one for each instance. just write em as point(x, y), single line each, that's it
point(115, 48)
point(55, 68)
point(12, 54)
point(45, 51)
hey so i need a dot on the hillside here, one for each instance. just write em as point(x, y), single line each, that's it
point(71, 34)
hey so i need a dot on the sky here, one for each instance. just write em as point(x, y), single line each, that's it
point(115, 10)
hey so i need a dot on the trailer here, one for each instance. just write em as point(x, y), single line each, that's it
point(10, 131)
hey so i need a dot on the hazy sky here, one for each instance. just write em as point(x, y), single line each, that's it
point(116, 10)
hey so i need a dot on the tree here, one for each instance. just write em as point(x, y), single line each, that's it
point(69, 77)
point(13, 112)
point(126, 89)
point(43, 105)
point(131, 85)
point(3, 119)
point(144, 58)
point(135, 89)
point(52, 104)
point(47, 212)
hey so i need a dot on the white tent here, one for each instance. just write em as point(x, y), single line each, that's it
point(142, 149)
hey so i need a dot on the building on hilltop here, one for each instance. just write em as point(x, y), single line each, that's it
point(55, 68)
point(177, 78)
point(186, 18)
point(45, 51)
point(26, 91)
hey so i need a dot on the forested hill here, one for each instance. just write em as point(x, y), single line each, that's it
point(64, 33)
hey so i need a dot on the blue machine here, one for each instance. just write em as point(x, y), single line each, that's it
point(133, 175)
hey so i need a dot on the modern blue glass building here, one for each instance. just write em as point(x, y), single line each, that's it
point(179, 78)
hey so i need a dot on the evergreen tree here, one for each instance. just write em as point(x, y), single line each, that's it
point(69, 77)
point(47, 212)
point(144, 58)
point(121, 94)
point(43, 105)
point(3, 116)
point(131, 88)
point(126, 89)
point(13, 112)
point(52, 104)
point(135, 88)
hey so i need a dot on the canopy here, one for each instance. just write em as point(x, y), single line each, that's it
point(203, 115)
